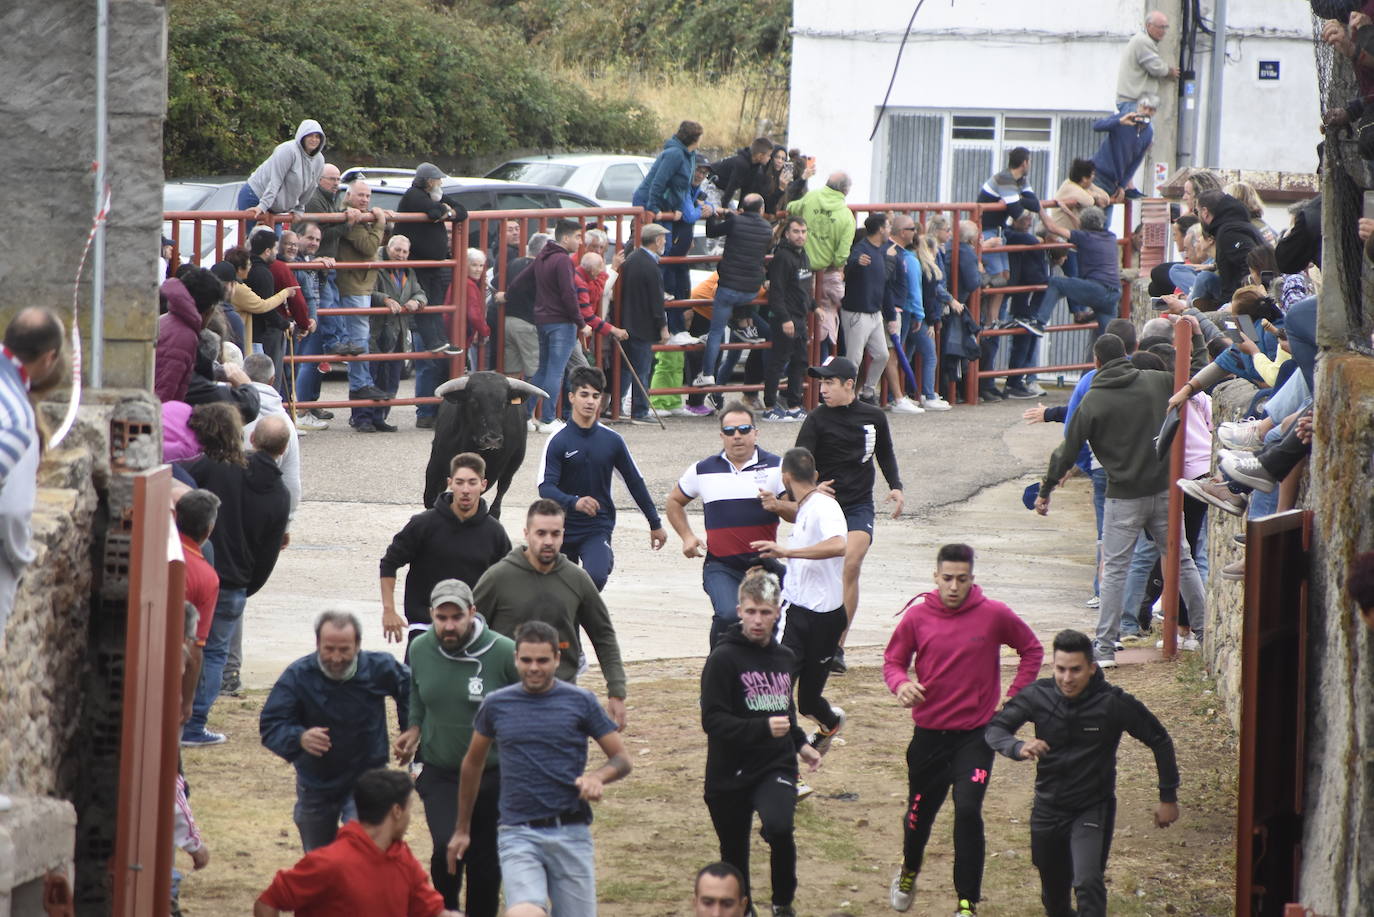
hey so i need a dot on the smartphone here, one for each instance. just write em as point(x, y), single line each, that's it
point(1247, 327)
point(1369, 205)
point(1267, 277)
point(1158, 304)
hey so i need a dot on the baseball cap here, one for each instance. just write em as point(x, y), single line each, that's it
point(834, 368)
point(1030, 495)
point(451, 592)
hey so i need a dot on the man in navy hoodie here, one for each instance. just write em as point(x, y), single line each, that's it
point(575, 472)
point(868, 312)
point(753, 740)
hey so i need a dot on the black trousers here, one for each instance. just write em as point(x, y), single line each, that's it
point(1282, 457)
point(1070, 851)
point(786, 353)
point(813, 637)
point(438, 787)
point(775, 799)
point(937, 760)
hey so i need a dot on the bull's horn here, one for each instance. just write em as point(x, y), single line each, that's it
point(524, 388)
point(452, 385)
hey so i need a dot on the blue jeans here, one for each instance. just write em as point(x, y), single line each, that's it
point(1100, 297)
point(1142, 565)
point(429, 374)
point(355, 330)
point(318, 814)
point(247, 200)
point(554, 868)
point(677, 278)
point(732, 357)
point(308, 375)
point(1183, 277)
point(920, 343)
point(331, 327)
point(995, 262)
point(556, 343)
point(1266, 504)
point(1301, 324)
point(1099, 479)
point(722, 308)
point(1289, 398)
point(641, 354)
point(721, 584)
point(228, 615)
point(1206, 286)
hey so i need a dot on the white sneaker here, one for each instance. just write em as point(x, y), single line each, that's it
point(1242, 436)
point(803, 791)
point(532, 425)
point(703, 379)
point(307, 421)
point(682, 339)
point(935, 404)
point(1189, 644)
point(552, 427)
point(681, 411)
point(625, 405)
point(902, 891)
point(905, 405)
point(1034, 388)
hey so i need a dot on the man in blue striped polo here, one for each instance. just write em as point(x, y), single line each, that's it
point(729, 484)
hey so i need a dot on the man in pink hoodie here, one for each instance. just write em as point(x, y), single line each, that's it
point(955, 635)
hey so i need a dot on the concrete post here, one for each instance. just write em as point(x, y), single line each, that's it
point(48, 107)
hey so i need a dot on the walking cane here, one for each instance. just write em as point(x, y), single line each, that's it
point(635, 376)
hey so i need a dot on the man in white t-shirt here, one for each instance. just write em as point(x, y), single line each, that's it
point(813, 615)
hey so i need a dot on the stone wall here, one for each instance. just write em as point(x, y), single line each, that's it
point(48, 109)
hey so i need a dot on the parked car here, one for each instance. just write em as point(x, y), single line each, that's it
point(609, 179)
point(200, 195)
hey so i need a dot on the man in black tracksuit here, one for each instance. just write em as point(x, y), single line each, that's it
point(790, 303)
point(1079, 718)
point(752, 738)
point(454, 539)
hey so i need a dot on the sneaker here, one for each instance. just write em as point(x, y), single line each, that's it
point(783, 910)
point(775, 415)
point(935, 403)
point(1190, 644)
point(682, 339)
point(703, 379)
point(1020, 392)
point(796, 415)
point(1035, 389)
point(308, 421)
point(384, 427)
point(1242, 436)
point(321, 414)
point(905, 405)
point(349, 350)
point(1031, 326)
point(552, 427)
point(1093, 602)
point(716, 401)
point(1106, 662)
point(451, 350)
point(532, 425)
point(821, 738)
point(752, 402)
point(324, 368)
point(1117, 645)
point(367, 393)
point(837, 666)
point(230, 683)
point(902, 891)
point(424, 423)
point(204, 737)
point(1239, 538)
point(803, 790)
point(1133, 194)
point(869, 397)
point(644, 420)
point(681, 411)
point(700, 410)
point(364, 427)
point(990, 395)
point(1246, 469)
point(1215, 494)
point(748, 333)
point(1084, 318)
point(965, 908)
point(1234, 572)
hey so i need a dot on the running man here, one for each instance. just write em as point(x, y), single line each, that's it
point(813, 617)
point(753, 741)
point(1079, 718)
point(541, 727)
point(576, 471)
point(846, 435)
point(728, 484)
point(955, 634)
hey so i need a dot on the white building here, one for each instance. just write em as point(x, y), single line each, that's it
point(978, 77)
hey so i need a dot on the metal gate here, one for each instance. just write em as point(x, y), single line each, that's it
point(1273, 708)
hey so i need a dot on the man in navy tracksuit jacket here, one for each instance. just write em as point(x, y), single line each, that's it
point(575, 470)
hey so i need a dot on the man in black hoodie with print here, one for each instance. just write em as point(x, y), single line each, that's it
point(790, 301)
point(1079, 718)
point(753, 740)
point(453, 539)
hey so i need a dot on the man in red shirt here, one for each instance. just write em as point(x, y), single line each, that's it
point(368, 870)
point(955, 635)
point(196, 511)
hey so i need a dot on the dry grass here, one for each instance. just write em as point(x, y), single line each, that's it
point(652, 830)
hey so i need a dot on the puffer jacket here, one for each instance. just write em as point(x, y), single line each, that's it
point(178, 335)
point(748, 237)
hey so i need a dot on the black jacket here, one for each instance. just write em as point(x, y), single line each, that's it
point(1083, 732)
point(1235, 235)
point(438, 546)
point(520, 290)
point(737, 175)
point(641, 297)
point(742, 685)
point(428, 241)
point(747, 240)
point(1302, 245)
point(253, 510)
point(260, 281)
point(790, 285)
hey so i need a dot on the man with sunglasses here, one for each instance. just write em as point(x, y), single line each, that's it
point(729, 484)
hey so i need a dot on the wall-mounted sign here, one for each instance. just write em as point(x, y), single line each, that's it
point(1268, 69)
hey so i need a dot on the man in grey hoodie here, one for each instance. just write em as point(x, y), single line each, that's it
point(288, 178)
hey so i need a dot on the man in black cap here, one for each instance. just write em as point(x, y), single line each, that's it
point(846, 435)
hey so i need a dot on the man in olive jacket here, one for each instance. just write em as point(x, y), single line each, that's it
point(1119, 417)
point(359, 243)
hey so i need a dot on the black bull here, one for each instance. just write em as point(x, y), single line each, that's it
point(482, 412)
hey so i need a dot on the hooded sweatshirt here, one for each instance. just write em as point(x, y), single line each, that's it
point(438, 546)
point(958, 658)
point(354, 876)
point(447, 688)
point(178, 335)
point(288, 178)
point(790, 284)
point(829, 227)
point(742, 685)
point(1235, 235)
point(668, 178)
point(1083, 733)
point(513, 592)
point(1120, 418)
point(253, 512)
point(555, 295)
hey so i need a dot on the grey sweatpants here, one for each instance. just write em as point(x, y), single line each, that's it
point(1122, 523)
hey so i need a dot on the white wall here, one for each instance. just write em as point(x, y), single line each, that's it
point(1042, 55)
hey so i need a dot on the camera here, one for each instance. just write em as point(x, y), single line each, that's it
point(1142, 119)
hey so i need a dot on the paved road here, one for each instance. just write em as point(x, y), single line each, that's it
point(963, 470)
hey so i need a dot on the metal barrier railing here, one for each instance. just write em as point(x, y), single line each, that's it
point(621, 225)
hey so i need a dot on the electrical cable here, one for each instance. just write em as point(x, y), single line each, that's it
point(882, 109)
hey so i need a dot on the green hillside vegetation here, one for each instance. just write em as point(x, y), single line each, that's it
point(395, 80)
